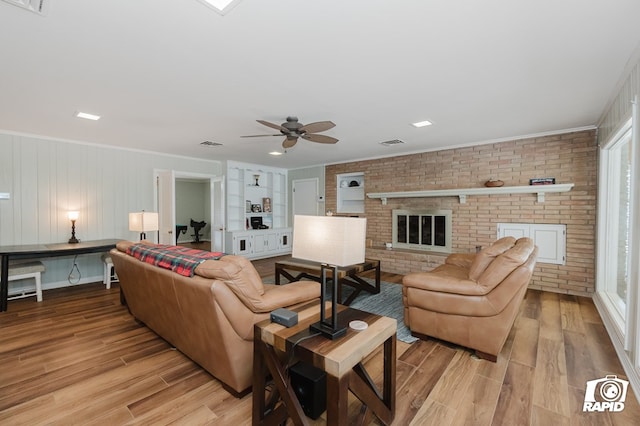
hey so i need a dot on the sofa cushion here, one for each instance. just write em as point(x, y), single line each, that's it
point(237, 272)
point(487, 255)
point(506, 263)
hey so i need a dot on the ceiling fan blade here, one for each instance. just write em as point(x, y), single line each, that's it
point(273, 126)
point(289, 142)
point(259, 136)
point(319, 126)
point(319, 138)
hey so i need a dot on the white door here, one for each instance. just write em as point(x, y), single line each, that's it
point(259, 243)
point(305, 197)
point(166, 199)
point(551, 239)
point(217, 214)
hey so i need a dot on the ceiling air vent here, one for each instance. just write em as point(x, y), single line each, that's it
point(41, 7)
point(209, 143)
point(392, 142)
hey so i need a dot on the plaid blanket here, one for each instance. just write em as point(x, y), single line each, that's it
point(182, 260)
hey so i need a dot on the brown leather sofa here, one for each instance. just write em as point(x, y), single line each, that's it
point(209, 317)
point(472, 299)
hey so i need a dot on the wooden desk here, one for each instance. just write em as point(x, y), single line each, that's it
point(346, 276)
point(33, 251)
point(341, 359)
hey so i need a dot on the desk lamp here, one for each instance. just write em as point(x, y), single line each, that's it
point(143, 222)
point(334, 242)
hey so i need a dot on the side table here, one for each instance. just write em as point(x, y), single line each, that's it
point(341, 359)
point(346, 276)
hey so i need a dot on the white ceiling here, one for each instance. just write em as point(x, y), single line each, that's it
point(167, 75)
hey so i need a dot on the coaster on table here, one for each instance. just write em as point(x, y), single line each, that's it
point(358, 325)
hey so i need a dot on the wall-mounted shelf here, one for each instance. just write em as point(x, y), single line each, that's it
point(462, 193)
point(350, 193)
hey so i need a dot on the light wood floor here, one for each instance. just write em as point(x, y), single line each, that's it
point(80, 358)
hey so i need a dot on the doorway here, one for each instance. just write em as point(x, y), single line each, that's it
point(183, 196)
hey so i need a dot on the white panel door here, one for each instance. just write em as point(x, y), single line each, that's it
point(166, 188)
point(305, 197)
point(217, 214)
point(551, 243)
point(515, 230)
point(550, 239)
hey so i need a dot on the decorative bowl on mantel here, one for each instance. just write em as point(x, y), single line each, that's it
point(493, 183)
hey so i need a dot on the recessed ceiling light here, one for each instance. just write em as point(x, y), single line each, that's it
point(221, 6)
point(37, 6)
point(87, 116)
point(422, 123)
point(276, 153)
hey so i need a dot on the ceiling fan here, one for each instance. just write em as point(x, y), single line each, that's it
point(292, 129)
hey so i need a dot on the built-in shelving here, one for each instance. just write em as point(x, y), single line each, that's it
point(462, 193)
point(256, 193)
point(350, 192)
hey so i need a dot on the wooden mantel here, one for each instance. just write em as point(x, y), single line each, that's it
point(462, 193)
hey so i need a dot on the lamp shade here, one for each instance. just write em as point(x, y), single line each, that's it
point(143, 221)
point(333, 240)
point(73, 215)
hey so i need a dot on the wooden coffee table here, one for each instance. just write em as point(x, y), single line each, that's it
point(349, 275)
point(341, 359)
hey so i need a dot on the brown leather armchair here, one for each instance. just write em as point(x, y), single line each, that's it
point(472, 299)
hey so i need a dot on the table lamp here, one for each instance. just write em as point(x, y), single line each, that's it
point(334, 242)
point(73, 216)
point(143, 222)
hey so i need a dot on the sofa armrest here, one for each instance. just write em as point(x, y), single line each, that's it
point(243, 314)
point(236, 313)
point(281, 296)
point(430, 281)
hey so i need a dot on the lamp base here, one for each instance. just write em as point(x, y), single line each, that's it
point(73, 240)
point(327, 330)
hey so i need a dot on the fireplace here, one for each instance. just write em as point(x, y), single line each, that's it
point(428, 230)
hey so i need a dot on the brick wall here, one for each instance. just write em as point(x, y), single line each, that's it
point(570, 158)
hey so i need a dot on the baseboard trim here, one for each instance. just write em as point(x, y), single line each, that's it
point(61, 284)
point(618, 344)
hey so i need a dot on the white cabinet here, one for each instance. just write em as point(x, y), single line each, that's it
point(265, 242)
point(256, 210)
point(550, 239)
point(284, 240)
point(350, 193)
point(239, 243)
point(259, 243)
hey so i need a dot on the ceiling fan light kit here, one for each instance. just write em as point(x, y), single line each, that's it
point(292, 129)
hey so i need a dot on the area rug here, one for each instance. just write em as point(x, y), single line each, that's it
point(387, 303)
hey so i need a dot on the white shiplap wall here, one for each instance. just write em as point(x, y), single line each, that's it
point(47, 178)
point(619, 110)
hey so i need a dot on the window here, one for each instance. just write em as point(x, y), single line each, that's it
point(422, 229)
point(617, 277)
